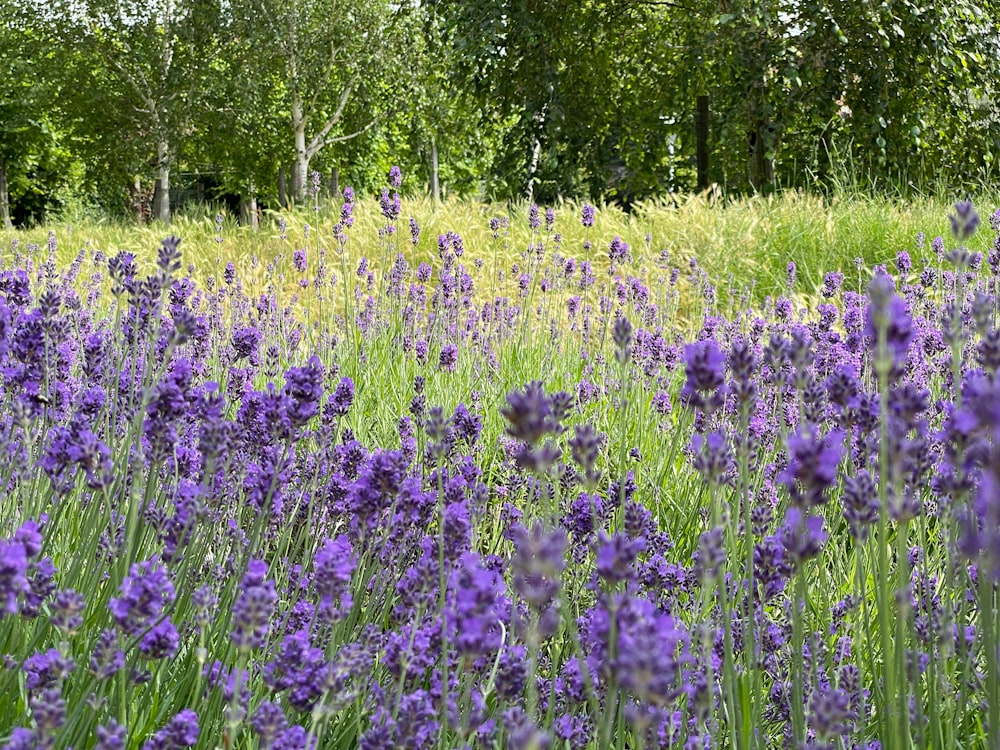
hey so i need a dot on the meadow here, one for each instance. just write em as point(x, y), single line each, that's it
point(391, 474)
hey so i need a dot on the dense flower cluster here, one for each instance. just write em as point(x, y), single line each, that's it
point(221, 525)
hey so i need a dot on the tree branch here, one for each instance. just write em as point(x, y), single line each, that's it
point(355, 134)
point(140, 86)
point(320, 139)
point(672, 4)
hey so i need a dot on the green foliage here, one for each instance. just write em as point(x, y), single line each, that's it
point(132, 76)
point(563, 98)
point(33, 151)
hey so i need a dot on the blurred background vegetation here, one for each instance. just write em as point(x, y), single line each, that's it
point(128, 109)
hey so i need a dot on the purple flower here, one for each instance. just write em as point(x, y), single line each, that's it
point(144, 594)
point(253, 607)
point(268, 722)
point(122, 268)
point(46, 669)
point(390, 205)
point(416, 723)
point(13, 574)
point(22, 739)
point(333, 566)
point(889, 312)
point(534, 219)
point(812, 466)
point(395, 177)
point(295, 738)
point(965, 220)
point(588, 215)
point(304, 388)
point(538, 561)
point(299, 260)
point(476, 606)
point(245, 341)
point(468, 426)
point(621, 337)
point(521, 732)
point(712, 456)
point(710, 556)
point(347, 209)
point(860, 499)
point(618, 251)
point(830, 713)
point(980, 537)
point(29, 537)
point(704, 368)
point(160, 642)
point(112, 736)
point(448, 357)
point(342, 399)
point(802, 536)
point(831, 283)
point(107, 658)
point(49, 712)
point(300, 668)
point(652, 655)
point(180, 732)
point(529, 414)
point(616, 557)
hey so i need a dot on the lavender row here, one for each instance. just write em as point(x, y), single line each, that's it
point(320, 516)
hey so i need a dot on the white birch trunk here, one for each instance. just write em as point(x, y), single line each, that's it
point(435, 175)
point(300, 171)
point(4, 196)
point(161, 210)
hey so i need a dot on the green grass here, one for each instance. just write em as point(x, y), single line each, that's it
point(750, 239)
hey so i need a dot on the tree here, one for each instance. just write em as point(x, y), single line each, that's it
point(34, 165)
point(19, 130)
point(585, 83)
point(323, 54)
point(783, 72)
point(150, 62)
point(440, 122)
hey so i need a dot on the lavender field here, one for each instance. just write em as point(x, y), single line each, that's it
point(390, 490)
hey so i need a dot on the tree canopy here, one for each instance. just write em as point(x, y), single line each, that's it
point(500, 98)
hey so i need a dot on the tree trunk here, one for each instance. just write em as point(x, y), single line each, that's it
point(254, 213)
point(701, 142)
point(335, 183)
point(4, 197)
point(761, 168)
point(300, 170)
point(435, 173)
point(140, 207)
point(282, 187)
point(822, 164)
point(248, 212)
point(161, 200)
point(536, 154)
